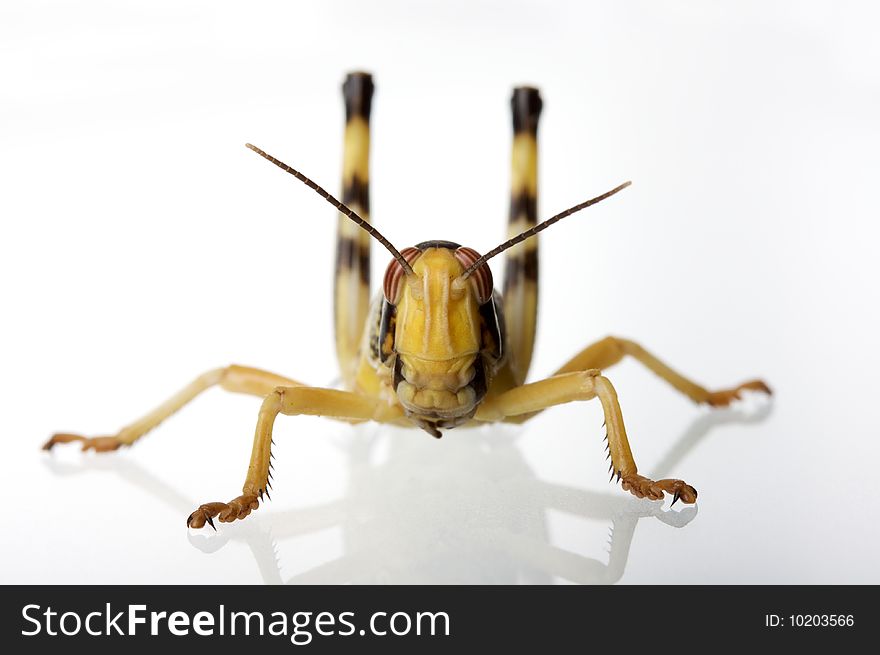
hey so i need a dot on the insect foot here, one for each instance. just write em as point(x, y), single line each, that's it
point(642, 487)
point(725, 397)
point(98, 444)
point(237, 508)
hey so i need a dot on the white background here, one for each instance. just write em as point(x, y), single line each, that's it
point(142, 244)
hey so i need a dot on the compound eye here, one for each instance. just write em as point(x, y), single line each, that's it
point(481, 278)
point(391, 286)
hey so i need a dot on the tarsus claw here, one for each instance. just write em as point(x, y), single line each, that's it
point(237, 508)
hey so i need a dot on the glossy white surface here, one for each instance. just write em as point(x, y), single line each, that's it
point(141, 244)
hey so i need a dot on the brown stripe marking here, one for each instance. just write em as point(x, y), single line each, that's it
point(526, 105)
point(358, 93)
point(525, 204)
point(395, 273)
point(356, 194)
point(351, 255)
point(482, 277)
point(521, 267)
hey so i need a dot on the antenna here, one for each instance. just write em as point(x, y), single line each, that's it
point(528, 234)
point(343, 208)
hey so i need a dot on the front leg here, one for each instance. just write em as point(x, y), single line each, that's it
point(292, 401)
point(585, 385)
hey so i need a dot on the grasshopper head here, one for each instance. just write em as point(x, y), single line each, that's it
point(438, 333)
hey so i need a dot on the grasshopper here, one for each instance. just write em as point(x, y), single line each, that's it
point(438, 347)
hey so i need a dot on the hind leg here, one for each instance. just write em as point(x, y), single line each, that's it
point(610, 350)
point(238, 379)
point(351, 288)
point(520, 289)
